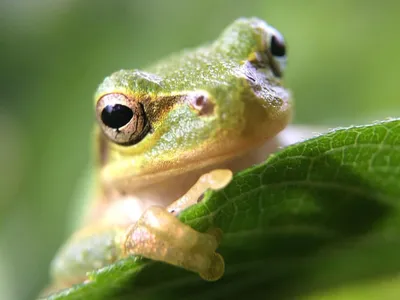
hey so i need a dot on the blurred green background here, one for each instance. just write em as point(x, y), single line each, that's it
point(343, 69)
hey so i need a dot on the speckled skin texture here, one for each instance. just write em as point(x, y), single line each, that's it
point(248, 103)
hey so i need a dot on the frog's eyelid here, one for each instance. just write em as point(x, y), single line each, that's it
point(282, 62)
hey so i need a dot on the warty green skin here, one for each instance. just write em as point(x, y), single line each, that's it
point(248, 98)
point(240, 87)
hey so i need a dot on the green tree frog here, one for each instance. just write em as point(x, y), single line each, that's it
point(166, 134)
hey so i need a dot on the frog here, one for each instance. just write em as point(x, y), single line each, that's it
point(166, 134)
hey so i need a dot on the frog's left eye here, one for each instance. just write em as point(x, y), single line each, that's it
point(277, 45)
point(122, 120)
point(276, 50)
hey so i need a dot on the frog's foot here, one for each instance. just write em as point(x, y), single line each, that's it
point(159, 235)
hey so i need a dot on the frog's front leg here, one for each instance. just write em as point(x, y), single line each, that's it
point(161, 236)
point(157, 235)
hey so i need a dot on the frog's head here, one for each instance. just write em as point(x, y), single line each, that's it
point(195, 108)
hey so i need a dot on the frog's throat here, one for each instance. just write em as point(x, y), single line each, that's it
point(165, 187)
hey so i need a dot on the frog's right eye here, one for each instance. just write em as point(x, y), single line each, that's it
point(122, 120)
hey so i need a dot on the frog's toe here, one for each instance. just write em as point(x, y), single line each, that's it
point(216, 268)
point(217, 233)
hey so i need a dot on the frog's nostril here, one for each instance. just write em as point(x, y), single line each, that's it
point(200, 101)
point(116, 115)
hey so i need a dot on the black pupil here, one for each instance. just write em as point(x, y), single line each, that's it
point(277, 47)
point(116, 115)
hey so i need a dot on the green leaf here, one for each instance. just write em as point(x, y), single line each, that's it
point(318, 215)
